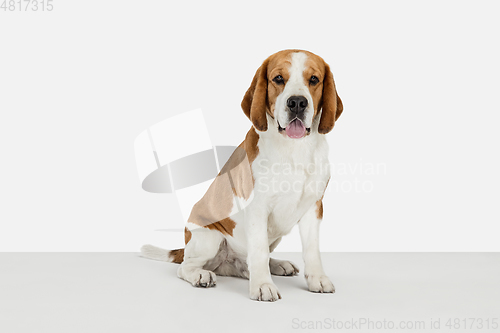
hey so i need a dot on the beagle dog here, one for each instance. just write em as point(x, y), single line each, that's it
point(274, 180)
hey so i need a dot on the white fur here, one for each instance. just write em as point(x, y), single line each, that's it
point(191, 226)
point(202, 247)
point(155, 253)
point(295, 86)
point(273, 211)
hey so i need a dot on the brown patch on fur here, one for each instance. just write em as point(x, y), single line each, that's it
point(255, 99)
point(238, 167)
point(235, 178)
point(331, 103)
point(260, 97)
point(250, 145)
point(278, 65)
point(225, 226)
point(319, 203)
point(319, 209)
point(315, 65)
point(187, 235)
point(177, 256)
point(214, 208)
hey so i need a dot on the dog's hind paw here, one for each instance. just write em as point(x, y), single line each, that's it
point(283, 267)
point(200, 278)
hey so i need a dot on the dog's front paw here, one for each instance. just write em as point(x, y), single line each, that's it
point(267, 292)
point(319, 284)
point(283, 267)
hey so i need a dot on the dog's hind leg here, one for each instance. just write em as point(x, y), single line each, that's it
point(201, 248)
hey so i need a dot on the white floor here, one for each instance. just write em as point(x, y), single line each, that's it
point(121, 292)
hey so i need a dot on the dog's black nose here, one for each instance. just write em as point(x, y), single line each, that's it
point(297, 104)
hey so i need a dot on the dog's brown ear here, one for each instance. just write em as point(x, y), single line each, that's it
point(254, 103)
point(331, 103)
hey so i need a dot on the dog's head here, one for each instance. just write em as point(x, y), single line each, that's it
point(293, 87)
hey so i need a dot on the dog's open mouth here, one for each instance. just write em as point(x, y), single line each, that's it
point(295, 129)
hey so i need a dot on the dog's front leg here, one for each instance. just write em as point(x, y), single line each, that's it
point(262, 287)
point(317, 281)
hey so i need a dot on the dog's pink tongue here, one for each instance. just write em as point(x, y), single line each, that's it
point(295, 129)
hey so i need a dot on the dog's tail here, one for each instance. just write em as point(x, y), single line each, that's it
point(156, 253)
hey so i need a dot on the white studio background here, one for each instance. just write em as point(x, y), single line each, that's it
point(419, 81)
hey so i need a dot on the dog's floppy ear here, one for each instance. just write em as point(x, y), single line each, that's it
point(254, 103)
point(331, 103)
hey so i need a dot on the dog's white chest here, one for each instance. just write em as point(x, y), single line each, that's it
point(291, 178)
point(289, 205)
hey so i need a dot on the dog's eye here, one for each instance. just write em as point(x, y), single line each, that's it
point(313, 80)
point(279, 79)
